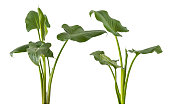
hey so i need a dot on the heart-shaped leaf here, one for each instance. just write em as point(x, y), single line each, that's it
point(104, 60)
point(38, 49)
point(76, 33)
point(156, 49)
point(112, 25)
point(32, 21)
point(20, 49)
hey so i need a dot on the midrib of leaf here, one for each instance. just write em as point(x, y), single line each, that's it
point(106, 22)
point(82, 33)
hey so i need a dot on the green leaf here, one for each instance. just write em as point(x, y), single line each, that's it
point(46, 25)
point(112, 25)
point(104, 60)
point(38, 49)
point(76, 33)
point(42, 20)
point(34, 58)
point(46, 30)
point(32, 21)
point(96, 55)
point(156, 49)
point(19, 49)
point(46, 21)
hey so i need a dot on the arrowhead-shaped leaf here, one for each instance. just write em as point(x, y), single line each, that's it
point(104, 60)
point(76, 33)
point(112, 25)
point(156, 49)
point(32, 21)
point(19, 49)
point(37, 49)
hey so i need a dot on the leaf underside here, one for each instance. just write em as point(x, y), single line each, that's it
point(77, 33)
point(104, 60)
point(156, 49)
point(112, 25)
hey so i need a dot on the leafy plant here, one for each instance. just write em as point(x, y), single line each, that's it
point(39, 52)
point(114, 26)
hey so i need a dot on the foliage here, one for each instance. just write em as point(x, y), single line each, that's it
point(39, 51)
point(114, 26)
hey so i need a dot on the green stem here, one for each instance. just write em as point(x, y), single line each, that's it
point(122, 72)
point(129, 73)
point(120, 56)
point(48, 65)
point(39, 34)
point(126, 58)
point(124, 77)
point(41, 68)
point(116, 86)
point(52, 73)
point(41, 80)
point(115, 74)
point(44, 80)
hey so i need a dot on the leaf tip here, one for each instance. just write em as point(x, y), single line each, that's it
point(11, 54)
point(64, 25)
point(158, 49)
point(91, 12)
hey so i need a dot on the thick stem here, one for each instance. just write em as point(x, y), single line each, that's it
point(44, 80)
point(129, 73)
point(116, 86)
point(52, 73)
point(122, 72)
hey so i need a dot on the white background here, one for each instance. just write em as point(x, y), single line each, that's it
point(80, 81)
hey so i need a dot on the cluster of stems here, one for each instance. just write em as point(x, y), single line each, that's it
point(42, 70)
point(124, 75)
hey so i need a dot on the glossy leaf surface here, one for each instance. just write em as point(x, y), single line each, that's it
point(76, 33)
point(104, 60)
point(112, 25)
point(156, 49)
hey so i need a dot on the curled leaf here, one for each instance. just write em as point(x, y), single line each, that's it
point(42, 20)
point(104, 60)
point(112, 25)
point(76, 33)
point(19, 49)
point(156, 49)
point(32, 21)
